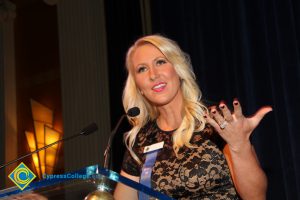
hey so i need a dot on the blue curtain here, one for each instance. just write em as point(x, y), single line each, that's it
point(123, 26)
point(249, 50)
point(239, 49)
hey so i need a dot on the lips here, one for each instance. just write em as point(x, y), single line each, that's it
point(159, 87)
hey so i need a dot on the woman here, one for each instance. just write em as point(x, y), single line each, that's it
point(197, 153)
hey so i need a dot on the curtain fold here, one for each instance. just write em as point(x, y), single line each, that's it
point(243, 49)
point(248, 50)
point(123, 26)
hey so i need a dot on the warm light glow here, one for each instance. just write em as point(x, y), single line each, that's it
point(32, 146)
point(41, 113)
point(30, 140)
point(40, 141)
point(43, 135)
point(51, 136)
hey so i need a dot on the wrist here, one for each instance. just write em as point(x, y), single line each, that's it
point(240, 148)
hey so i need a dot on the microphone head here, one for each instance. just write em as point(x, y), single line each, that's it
point(133, 112)
point(89, 129)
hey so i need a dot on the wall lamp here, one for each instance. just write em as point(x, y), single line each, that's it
point(44, 134)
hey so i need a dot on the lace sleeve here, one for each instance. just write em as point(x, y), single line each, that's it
point(130, 166)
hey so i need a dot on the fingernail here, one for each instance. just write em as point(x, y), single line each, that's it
point(222, 106)
point(235, 101)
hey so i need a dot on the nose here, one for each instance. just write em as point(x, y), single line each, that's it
point(153, 73)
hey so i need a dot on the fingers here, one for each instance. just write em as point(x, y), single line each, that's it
point(226, 112)
point(237, 109)
point(213, 123)
point(216, 119)
point(263, 111)
point(257, 117)
point(216, 115)
point(219, 118)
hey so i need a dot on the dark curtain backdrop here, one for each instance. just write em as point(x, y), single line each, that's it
point(123, 26)
point(239, 49)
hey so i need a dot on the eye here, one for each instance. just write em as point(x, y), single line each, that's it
point(141, 69)
point(161, 61)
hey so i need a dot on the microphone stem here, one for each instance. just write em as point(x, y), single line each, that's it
point(45, 147)
point(110, 140)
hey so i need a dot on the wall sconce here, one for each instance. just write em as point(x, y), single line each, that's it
point(44, 134)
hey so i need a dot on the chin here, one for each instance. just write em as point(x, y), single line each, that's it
point(160, 103)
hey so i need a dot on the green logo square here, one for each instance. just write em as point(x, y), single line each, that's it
point(21, 176)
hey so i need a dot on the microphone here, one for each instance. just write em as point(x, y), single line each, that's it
point(85, 131)
point(132, 112)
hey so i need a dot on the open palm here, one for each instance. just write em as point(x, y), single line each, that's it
point(234, 127)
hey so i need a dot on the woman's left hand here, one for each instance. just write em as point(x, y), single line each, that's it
point(234, 127)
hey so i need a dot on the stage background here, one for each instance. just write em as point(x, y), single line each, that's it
point(69, 55)
point(239, 49)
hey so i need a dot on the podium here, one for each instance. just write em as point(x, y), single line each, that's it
point(90, 183)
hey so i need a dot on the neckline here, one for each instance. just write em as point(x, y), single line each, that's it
point(170, 131)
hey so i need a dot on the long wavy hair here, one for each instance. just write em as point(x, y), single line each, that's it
point(194, 109)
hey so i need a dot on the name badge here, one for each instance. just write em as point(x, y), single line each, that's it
point(154, 147)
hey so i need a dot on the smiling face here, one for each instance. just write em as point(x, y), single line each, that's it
point(155, 76)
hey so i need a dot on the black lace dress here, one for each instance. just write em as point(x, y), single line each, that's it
point(197, 173)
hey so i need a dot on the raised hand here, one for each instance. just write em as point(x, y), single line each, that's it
point(234, 127)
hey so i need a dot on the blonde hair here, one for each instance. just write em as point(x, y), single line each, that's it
point(194, 110)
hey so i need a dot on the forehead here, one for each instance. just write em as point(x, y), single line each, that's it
point(145, 53)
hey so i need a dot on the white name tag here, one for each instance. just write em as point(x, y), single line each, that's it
point(154, 147)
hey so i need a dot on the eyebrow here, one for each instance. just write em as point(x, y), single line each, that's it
point(160, 58)
point(155, 59)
